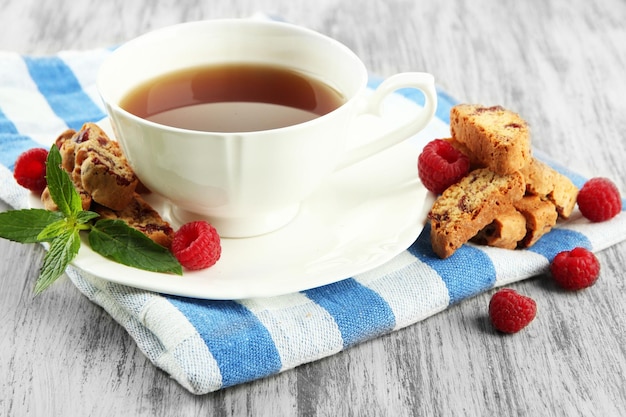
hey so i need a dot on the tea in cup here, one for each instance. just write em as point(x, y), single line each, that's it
point(237, 121)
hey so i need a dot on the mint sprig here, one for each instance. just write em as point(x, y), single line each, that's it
point(61, 229)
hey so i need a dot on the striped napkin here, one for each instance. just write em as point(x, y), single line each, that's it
point(208, 345)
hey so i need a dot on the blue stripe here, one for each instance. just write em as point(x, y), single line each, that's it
point(558, 240)
point(359, 312)
point(57, 83)
point(462, 282)
point(12, 144)
point(444, 101)
point(241, 345)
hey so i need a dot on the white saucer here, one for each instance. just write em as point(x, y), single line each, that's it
point(360, 218)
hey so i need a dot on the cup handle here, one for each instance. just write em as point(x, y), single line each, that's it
point(422, 81)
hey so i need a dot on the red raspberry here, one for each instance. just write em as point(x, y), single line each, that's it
point(196, 245)
point(510, 311)
point(440, 165)
point(599, 200)
point(30, 169)
point(575, 269)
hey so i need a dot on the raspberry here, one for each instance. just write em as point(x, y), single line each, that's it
point(575, 269)
point(599, 200)
point(440, 165)
point(30, 169)
point(196, 245)
point(510, 311)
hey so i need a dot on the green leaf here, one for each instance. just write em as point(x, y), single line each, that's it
point(63, 249)
point(115, 240)
point(24, 226)
point(85, 216)
point(60, 185)
point(54, 230)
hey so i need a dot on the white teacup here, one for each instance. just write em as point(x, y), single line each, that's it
point(248, 183)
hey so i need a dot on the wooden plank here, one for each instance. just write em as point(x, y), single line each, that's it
point(560, 65)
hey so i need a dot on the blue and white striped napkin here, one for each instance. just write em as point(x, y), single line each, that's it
point(208, 345)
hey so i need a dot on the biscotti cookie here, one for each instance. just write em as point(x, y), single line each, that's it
point(97, 166)
point(539, 178)
point(141, 216)
point(101, 168)
point(564, 195)
point(540, 217)
point(505, 231)
point(549, 184)
point(497, 138)
point(468, 206)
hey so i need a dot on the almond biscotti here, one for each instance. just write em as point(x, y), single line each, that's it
point(495, 137)
point(97, 166)
point(548, 184)
point(520, 226)
point(468, 206)
point(540, 217)
point(506, 230)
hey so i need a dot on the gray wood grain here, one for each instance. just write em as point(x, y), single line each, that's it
point(562, 65)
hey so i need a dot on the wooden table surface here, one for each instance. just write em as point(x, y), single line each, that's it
point(561, 65)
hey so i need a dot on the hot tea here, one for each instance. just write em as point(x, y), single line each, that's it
point(237, 168)
point(232, 98)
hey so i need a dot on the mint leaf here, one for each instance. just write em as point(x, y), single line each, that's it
point(86, 216)
point(115, 240)
point(54, 230)
point(24, 226)
point(63, 249)
point(60, 185)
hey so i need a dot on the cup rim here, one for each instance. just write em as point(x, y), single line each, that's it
point(167, 30)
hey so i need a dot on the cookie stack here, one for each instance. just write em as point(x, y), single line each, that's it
point(106, 183)
point(509, 199)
